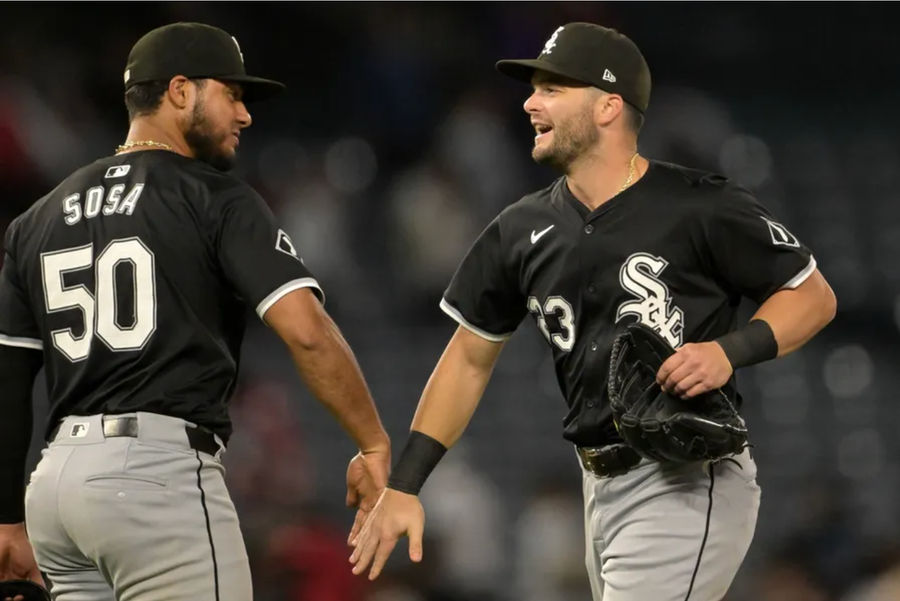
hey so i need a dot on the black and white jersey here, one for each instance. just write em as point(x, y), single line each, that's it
point(134, 276)
point(676, 251)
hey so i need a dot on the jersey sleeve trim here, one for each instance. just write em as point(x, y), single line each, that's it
point(802, 276)
point(458, 318)
point(278, 294)
point(29, 343)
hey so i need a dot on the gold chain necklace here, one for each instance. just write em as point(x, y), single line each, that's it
point(631, 173)
point(137, 143)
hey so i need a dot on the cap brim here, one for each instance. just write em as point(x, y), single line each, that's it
point(256, 88)
point(523, 69)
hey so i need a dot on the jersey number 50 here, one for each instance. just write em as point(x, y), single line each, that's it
point(560, 308)
point(99, 310)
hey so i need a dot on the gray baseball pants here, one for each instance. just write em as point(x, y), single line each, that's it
point(669, 533)
point(144, 518)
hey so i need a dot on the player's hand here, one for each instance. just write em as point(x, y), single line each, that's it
point(367, 476)
point(396, 514)
point(16, 557)
point(695, 368)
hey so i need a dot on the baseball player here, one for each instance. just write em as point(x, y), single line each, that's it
point(129, 283)
point(617, 239)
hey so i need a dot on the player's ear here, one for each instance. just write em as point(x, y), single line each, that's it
point(180, 92)
point(607, 107)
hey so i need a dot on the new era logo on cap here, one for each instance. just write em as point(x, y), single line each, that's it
point(608, 76)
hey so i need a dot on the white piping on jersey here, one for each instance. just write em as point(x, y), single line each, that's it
point(31, 343)
point(458, 318)
point(276, 296)
point(801, 277)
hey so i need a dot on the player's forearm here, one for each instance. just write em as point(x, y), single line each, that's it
point(797, 315)
point(447, 404)
point(17, 370)
point(455, 387)
point(330, 371)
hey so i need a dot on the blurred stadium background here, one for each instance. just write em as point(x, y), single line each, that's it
point(397, 142)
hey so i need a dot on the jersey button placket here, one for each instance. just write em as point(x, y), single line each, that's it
point(589, 229)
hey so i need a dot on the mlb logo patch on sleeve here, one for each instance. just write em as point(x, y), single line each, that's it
point(286, 245)
point(780, 234)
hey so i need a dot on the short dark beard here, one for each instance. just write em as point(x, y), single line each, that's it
point(206, 144)
point(569, 142)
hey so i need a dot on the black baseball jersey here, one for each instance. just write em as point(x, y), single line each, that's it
point(676, 251)
point(134, 276)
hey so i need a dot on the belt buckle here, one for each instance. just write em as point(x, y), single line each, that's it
point(120, 425)
point(596, 460)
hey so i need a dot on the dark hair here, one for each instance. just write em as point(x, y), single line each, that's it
point(633, 118)
point(145, 98)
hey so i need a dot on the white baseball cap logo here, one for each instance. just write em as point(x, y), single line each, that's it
point(241, 54)
point(551, 43)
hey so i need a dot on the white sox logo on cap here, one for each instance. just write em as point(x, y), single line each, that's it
point(241, 54)
point(551, 43)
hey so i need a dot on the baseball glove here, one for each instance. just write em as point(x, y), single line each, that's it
point(28, 590)
point(660, 426)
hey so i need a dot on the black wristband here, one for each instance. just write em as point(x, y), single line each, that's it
point(419, 457)
point(752, 344)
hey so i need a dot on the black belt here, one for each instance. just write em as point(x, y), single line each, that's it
point(199, 438)
point(609, 461)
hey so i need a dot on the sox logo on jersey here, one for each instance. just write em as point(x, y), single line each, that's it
point(640, 276)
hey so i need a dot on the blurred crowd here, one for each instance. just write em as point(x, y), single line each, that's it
point(394, 146)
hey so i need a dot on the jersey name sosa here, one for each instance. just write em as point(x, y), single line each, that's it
point(653, 307)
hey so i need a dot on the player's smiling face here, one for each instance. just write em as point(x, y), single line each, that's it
point(216, 122)
point(561, 112)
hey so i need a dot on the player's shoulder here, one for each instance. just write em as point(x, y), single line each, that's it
point(681, 177)
point(210, 191)
point(222, 185)
point(34, 216)
point(202, 178)
point(697, 186)
point(538, 201)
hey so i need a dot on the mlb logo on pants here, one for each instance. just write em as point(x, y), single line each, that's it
point(79, 430)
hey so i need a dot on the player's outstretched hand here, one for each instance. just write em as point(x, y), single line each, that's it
point(367, 476)
point(695, 368)
point(396, 514)
point(16, 557)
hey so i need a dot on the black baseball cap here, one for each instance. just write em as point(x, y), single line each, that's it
point(592, 54)
point(194, 50)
